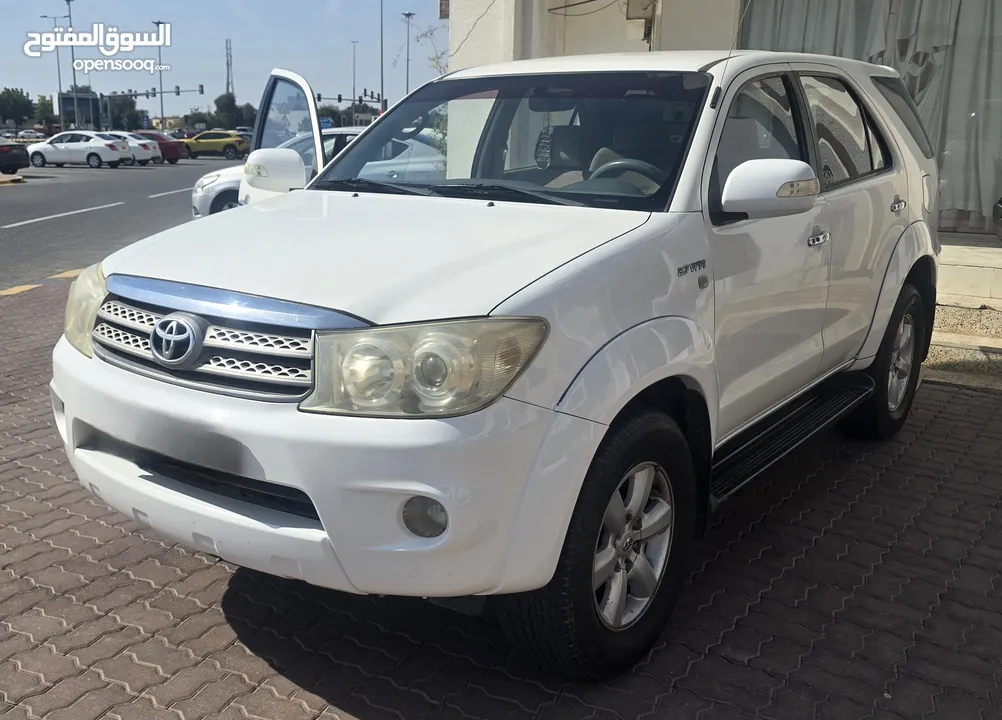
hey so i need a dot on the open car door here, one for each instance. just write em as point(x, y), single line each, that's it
point(287, 117)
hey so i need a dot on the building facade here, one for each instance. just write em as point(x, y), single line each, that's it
point(949, 53)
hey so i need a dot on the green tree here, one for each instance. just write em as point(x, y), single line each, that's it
point(227, 114)
point(121, 108)
point(43, 111)
point(16, 105)
point(247, 115)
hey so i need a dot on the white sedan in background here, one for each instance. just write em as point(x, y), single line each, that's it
point(79, 147)
point(142, 150)
point(217, 191)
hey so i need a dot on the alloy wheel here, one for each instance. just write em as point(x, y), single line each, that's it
point(902, 363)
point(633, 546)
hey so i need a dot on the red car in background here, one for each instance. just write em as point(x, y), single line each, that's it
point(170, 149)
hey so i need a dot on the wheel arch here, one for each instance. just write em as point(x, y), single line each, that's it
point(914, 260)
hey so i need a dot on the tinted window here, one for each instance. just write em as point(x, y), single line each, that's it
point(879, 157)
point(60, 138)
point(760, 125)
point(897, 95)
point(841, 130)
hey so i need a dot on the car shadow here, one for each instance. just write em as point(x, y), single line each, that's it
point(365, 655)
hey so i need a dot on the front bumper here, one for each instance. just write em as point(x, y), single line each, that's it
point(357, 472)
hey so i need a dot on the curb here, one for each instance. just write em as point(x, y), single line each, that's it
point(11, 179)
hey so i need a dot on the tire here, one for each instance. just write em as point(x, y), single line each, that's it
point(144, 163)
point(94, 161)
point(559, 625)
point(128, 162)
point(224, 201)
point(186, 152)
point(9, 171)
point(173, 161)
point(113, 164)
point(158, 160)
point(883, 415)
point(37, 160)
point(230, 152)
point(59, 164)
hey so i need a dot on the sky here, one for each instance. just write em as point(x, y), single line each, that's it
point(310, 37)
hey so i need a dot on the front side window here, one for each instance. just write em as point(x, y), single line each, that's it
point(760, 125)
point(614, 139)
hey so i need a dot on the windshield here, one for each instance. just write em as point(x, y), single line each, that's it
point(613, 139)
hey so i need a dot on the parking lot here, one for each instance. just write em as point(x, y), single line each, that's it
point(70, 217)
point(855, 581)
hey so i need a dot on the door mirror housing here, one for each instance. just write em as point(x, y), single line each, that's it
point(767, 188)
point(276, 170)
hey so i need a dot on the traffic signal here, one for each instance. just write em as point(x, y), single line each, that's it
point(147, 94)
point(319, 98)
point(365, 93)
point(359, 99)
point(339, 98)
point(153, 92)
point(177, 89)
point(201, 90)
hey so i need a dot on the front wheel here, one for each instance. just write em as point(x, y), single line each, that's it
point(173, 161)
point(624, 556)
point(144, 163)
point(113, 164)
point(94, 161)
point(895, 371)
point(37, 160)
point(9, 171)
point(158, 160)
point(230, 153)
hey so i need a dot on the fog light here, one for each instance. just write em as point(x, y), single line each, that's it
point(425, 517)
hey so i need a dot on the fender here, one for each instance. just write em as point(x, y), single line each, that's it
point(916, 242)
point(629, 363)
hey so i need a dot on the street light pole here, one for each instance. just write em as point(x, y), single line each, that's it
point(163, 125)
point(59, 72)
point(382, 55)
point(354, 97)
point(73, 62)
point(408, 15)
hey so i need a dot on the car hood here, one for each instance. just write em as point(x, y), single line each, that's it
point(384, 258)
point(234, 172)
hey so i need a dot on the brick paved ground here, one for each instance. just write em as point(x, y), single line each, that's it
point(859, 582)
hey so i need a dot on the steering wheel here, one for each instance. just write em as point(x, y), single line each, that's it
point(652, 173)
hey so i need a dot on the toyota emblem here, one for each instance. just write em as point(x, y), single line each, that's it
point(175, 340)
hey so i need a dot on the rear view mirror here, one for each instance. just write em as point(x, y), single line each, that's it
point(770, 188)
point(550, 100)
point(276, 170)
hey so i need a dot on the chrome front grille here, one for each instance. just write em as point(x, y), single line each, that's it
point(238, 357)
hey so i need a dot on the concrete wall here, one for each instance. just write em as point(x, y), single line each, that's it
point(490, 31)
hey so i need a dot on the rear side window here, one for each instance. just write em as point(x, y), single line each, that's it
point(897, 95)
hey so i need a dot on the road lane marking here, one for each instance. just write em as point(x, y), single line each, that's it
point(18, 289)
point(59, 215)
point(67, 274)
point(170, 192)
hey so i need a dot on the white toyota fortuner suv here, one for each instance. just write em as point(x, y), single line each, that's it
point(639, 281)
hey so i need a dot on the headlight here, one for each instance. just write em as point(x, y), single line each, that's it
point(86, 295)
point(427, 370)
point(202, 182)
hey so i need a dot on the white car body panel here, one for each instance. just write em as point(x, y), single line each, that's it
point(315, 226)
point(747, 315)
point(228, 182)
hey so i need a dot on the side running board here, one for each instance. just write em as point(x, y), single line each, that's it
point(754, 450)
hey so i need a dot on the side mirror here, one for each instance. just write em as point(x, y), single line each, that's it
point(276, 170)
point(770, 188)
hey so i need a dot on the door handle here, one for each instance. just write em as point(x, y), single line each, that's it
point(820, 239)
point(898, 205)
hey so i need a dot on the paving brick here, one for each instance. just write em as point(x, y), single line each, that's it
point(856, 581)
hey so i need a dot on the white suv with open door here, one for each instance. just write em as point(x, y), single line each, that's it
point(639, 281)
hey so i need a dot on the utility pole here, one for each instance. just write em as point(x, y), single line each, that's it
point(408, 16)
point(354, 97)
point(59, 72)
point(382, 55)
point(73, 62)
point(163, 124)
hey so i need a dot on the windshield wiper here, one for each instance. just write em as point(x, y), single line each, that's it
point(488, 190)
point(365, 185)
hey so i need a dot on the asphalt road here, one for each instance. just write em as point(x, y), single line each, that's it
point(109, 209)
